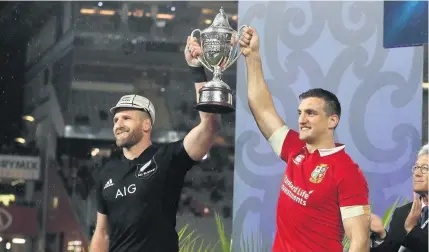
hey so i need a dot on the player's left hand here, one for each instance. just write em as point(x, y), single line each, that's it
point(414, 215)
point(192, 52)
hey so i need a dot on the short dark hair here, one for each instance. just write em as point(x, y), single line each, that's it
point(333, 106)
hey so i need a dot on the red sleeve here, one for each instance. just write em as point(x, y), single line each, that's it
point(291, 145)
point(352, 187)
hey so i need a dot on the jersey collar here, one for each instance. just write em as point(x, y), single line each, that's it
point(327, 152)
point(146, 154)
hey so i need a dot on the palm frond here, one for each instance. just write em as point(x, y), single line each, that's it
point(225, 242)
point(189, 241)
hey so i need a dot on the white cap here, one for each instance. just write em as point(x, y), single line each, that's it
point(137, 102)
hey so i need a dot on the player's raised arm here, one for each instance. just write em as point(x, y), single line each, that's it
point(200, 139)
point(259, 96)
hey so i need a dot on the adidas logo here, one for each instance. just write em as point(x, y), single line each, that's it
point(108, 184)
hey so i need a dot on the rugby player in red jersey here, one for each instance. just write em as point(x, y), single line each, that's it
point(324, 194)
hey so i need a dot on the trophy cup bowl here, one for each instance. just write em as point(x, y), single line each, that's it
point(220, 49)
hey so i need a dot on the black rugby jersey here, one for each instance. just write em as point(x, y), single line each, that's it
point(140, 198)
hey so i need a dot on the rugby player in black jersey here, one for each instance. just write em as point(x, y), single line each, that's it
point(138, 196)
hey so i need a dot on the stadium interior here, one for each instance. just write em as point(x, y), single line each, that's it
point(72, 61)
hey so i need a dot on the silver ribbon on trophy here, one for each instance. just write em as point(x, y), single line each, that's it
point(220, 49)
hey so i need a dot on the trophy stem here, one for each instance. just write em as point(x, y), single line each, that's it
point(217, 73)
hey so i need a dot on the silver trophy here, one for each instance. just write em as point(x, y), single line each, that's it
point(220, 49)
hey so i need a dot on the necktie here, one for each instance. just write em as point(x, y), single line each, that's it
point(424, 216)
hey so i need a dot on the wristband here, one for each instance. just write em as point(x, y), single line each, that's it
point(198, 74)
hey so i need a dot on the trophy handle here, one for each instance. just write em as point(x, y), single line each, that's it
point(236, 55)
point(201, 57)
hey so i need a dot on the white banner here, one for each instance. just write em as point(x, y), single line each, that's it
point(19, 167)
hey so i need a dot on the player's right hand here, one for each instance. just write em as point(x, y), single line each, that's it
point(192, 52)
point(249, 42)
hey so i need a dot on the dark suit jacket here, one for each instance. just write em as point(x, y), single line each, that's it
point(415, 241)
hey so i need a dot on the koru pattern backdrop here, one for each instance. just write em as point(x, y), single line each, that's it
point(337, 46)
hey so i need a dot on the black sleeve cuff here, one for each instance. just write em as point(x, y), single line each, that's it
point(416, 239)
point(186, 159)
point(198, 74)
point(413, 233)
point(376, 238)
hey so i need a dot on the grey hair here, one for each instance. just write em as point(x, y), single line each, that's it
point(424, 150)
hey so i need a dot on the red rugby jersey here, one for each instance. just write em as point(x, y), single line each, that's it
point(313, 189)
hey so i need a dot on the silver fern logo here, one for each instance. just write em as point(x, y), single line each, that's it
point(146, 170)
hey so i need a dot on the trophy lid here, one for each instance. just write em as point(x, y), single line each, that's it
point(220, 21)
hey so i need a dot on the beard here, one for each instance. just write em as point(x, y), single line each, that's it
point(130, 140)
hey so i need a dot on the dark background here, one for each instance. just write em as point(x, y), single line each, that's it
point(405, 23)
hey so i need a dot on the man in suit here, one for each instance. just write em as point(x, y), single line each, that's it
point(408, 230)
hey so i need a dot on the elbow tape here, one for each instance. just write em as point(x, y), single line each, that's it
point(277, 138)
point(353, 211)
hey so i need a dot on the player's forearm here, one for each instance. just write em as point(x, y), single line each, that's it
point(259, 96)
point(356, 221)
point(99, 243)
point(200, 139)
point(260, 99)
point(360, 244)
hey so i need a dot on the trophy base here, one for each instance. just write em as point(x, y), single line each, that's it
point(215, 100)
point(214, 108)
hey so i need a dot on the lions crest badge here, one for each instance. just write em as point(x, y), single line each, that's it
point(319, 173)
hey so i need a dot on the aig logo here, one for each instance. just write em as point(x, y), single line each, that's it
point(131, 189)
